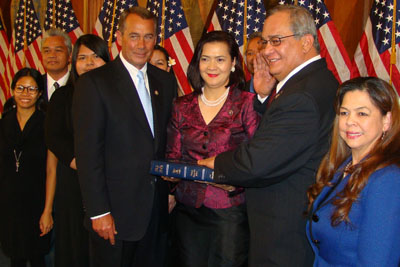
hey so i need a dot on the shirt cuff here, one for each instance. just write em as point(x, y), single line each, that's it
point(99, 216)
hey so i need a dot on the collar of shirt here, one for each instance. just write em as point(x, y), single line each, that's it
point(51, 81)
point(293, 72)
point(296, 70)
point(133, 71)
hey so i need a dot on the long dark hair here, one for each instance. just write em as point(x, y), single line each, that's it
point(94, 43)
point(193, 72)
point(384, 153)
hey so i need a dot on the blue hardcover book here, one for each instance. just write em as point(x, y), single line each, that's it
point(181, 170)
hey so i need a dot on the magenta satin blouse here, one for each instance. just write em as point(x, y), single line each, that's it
point(191, 139)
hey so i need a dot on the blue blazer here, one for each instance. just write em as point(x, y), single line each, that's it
point(373, 237)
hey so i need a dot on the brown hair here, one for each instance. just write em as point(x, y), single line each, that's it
point(140, 11)
point(384, 153)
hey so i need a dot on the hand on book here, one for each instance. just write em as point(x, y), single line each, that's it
point(209, 162)
point(170, 179)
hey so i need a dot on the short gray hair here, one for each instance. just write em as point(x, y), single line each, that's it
point(251, 37)
point(301, 21)
point(58, 32)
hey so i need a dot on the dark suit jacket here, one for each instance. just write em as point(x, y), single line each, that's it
point(114, 145)
point(280, 163)
point(45, 95)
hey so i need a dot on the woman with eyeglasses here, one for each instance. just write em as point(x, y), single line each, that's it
point(71, 238)
point(23, 173)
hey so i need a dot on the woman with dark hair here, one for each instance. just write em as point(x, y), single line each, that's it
point(71, 239)
point(211, 220)
point(23, 173)
point(355, 203)
point(161, 59)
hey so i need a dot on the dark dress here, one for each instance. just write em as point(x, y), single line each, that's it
point(22, 193)
point(211, 227)
point(71, 243)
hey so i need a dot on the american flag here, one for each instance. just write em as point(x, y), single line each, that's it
point(174, 36)
point(232, 16)
point(107, 22)
point(60, 15)
point(372, 57)
point(25, 42)
point(4, 86)
point(332, 48)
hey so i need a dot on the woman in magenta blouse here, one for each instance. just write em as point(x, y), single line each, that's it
point(211, 221)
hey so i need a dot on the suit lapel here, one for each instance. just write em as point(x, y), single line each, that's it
point(126, 88)
point(307, 70)
point(328, 193)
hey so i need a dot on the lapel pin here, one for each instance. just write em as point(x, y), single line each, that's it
point(156, 92)
point(230, 112)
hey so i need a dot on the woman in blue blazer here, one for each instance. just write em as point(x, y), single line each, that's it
point(355, 203)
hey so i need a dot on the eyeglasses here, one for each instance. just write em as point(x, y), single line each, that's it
point(274, 41)
point(32, 90)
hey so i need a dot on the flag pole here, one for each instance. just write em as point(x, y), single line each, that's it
point(112, 27)
point(296, 2)
point(85, 15)
point(3, 76)
point(2, 20)
point(162, 23)
point(25, 42)
point(393, 53)
point(53, 22)
point(244, 33)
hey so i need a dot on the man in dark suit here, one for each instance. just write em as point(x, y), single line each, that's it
point(280, 162)
point(120, 114)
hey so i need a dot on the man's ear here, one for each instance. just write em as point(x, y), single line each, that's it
point(119, 37)
point(307, 42)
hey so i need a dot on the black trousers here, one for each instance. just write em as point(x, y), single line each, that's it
point(150, 251)
point(37, 261)
point(207, 237)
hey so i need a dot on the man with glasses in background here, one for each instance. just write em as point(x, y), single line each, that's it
point(278, 165)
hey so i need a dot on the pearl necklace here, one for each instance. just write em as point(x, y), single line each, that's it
point(216, 102)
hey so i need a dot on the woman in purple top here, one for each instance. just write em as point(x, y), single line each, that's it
point(211, 221)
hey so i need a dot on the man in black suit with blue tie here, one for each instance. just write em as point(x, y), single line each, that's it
point(120, 114)
point(278, 165)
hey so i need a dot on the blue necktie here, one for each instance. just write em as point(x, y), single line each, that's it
point(145, 99)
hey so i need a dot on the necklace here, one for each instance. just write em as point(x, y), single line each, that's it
point(213, 103)
point(17, 160)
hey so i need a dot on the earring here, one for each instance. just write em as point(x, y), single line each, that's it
point(233, 69)
point(383, 135)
